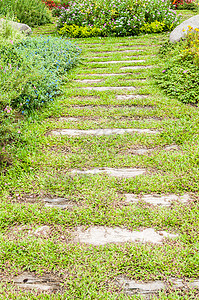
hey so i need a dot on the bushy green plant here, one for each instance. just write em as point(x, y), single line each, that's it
point(39, 64)
point(117, 17)
point(31, 73)
point(30, 12)
point(180, 71)
point(155, 27)
point(76, 31)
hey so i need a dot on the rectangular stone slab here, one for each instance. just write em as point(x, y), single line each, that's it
point(163, 200)
point(104, 235)
point(106, 131)
point(117, 61)
point(109, 88)
point(135, 67)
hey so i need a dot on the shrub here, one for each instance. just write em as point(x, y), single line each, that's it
point(185, 4)
point(38, 64)
point(31, 73)
point(76, 31)
point(117, 17)
point(180, 72)
point(31, 12)
point(155, 27)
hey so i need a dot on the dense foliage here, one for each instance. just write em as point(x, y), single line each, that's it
point(180, 74)
point(31, 73)
point(117, 17)
point(30, 12)
point(185, 4)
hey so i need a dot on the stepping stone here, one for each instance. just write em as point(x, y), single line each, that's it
point(121, 51)
point(104, 235)
point(117, 62)
point(106, 74)
point(88, 80)
point(163, 200)
point(58, 203)
point(109, 88)
point(141, 151)
point(43, 231)
point(124, 173)
point(126, 97)
point(78, 132)
point(29, 281)
point(135, 67)
point(171, 148)
point(132, 287)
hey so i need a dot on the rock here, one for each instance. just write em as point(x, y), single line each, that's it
point(104, 235)
point(180, 31)
point(105, 131)
point(42, 231)
point(30, 281)
point(19, 26)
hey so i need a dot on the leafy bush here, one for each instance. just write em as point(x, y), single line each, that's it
point(30, 12)
point(180, 73)
point(38, 64)
point(31, 73)
point(117, 17)
point(155, 27)
point(185, 4)
point(76, 31)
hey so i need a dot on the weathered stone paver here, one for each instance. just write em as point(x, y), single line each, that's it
point(126, 97)
point(135, 67)
point(117, 61)
point(107, 131)
point(29, 281)
point(58, 203)
point(132, 287)
point(103, 235)
point(121, 51)
point(125, 173)
point(105, 74)
point(88, 80)
point(164, 200)
point(109, 88)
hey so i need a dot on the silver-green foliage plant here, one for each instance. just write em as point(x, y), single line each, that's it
point(118, 17)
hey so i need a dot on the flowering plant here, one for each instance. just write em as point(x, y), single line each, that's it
point(117, 17)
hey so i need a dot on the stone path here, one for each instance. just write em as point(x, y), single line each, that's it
point(95, 234)
point(103, 235)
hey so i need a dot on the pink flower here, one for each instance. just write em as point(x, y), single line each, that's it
point(11, 42)
point(18, 131)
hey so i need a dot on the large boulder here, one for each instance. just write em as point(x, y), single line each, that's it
point(19, 26)
point(181, 30)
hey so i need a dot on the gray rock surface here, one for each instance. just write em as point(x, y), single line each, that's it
point(181, 30)
point(104, 235)
point(164, 200)
point(19, 26)
point(105, 131)
point(124, 173)
point(147, 289)
point(30, 281)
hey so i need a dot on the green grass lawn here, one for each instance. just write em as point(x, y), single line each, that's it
point(42, 164)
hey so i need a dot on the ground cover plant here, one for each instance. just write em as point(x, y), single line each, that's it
point(180, 70)
point(30, 12)
point(43, 165)
point(117, 17)
point(32, 70)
